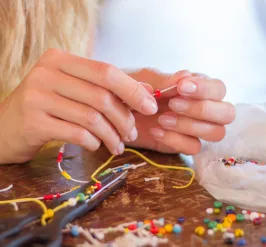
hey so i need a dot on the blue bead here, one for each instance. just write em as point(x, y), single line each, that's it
point(119, 169)
point(177, 228)
point(180, 219)
point(263, 240)
point(230, 211)
point(74, 231)
point(140, 224)
point(126, 165)
point(241, 242)
point(161, 220)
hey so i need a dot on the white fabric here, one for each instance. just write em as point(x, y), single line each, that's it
point(223, 38)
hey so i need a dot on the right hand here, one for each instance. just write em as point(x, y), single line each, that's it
point(71, 99)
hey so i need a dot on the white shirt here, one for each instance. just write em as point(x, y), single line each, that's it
point(224, 39)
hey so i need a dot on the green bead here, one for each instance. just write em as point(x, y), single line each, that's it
point(206, 220)
point(159, 235)
point(240, 217)
point(218, 204)
point(81, 197)
point(212, 224)
point(230, 208)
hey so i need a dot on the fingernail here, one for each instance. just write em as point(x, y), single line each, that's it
point(167, 120)
point(147, 86)
point(120, 148)
point(133, 134)
point(150, 105)
point(188, 87)
point(157, 132)
point(178, 105)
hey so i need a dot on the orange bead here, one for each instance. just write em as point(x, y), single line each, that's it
point(146, 222)
point(162, 230)
point(232, 217)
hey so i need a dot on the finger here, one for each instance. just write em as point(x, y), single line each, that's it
point(192, 127)
point(60, 130)
point(172, 81)
point(202, 88)
point(106, 76)
point(87, 117)
point(98, 98)
point(147, 86)
point(216, 112)
point(181, 143)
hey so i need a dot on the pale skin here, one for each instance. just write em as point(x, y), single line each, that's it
point(86, 102)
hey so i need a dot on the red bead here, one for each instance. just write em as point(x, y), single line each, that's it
point(257, 221)
point(58, 195)
point(60, 157)
point(98, 185)
point(132, 227)
point(154, 230)
point(157, 93)
point(48, 197)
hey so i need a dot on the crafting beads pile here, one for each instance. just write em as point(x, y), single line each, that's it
point(147, 233)
point(232, 161)
point(225, 225)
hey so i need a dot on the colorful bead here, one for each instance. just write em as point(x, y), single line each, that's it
point(244, 211)
point(227, 224)
point(240, 217)
point(210, 232)
point(239, 233)
point(177, 228)
point(232, 217)
point(219, 220)
point(212, 224)
point(126, 165)
point(58, 195)
point(206, 220)
point(200, 230)
point(209, 210)
point(253, 216)
point(81, 197)
point(230, 208)
point(257, 221)
point(180, 219)
point(146, 222)
point(50, 213)
point(48, 197)
point(218, 204)
point(126, 230)
point(230, 211)
point(132, 227)
point(119, 169)
point(241, 242)
point(154, 230)
point(217, 210)
point(140, 224)
point(219, 226)
point(162, 230)
point(74, 231)
point(159, 235)
point(228, 238)
point(98, 185)
point(263, 240)
point(72, 202)
point(161, 221)
point(157, 93)
point(168, 228)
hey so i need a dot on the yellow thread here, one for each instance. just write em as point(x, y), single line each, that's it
point(61, 206)
point(66, 175)
point(43, 206)
point(151, 163)
point(74, 188)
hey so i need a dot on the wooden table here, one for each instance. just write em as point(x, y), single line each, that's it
point(138, 200)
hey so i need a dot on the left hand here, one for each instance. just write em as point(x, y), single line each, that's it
point(192, 111)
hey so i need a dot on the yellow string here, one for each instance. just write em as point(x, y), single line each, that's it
point(151, 163)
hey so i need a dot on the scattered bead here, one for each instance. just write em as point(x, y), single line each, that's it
point(217, 210)
point(240, 217)
point(72, 202)
point(132, 227)
point(239, 233)
point(98, 185)
point(177, 228)
point(219, 227)
point(228, 238)
point(232, 217)
point(200, 230)
point(230, 208)
point(146, 222)
point(180, 219)
point(241, 242)
point(257, 221)
point(212, 224)
point(218, 204)
point(154, 230)
point(210, 232)
point(253, 216)
point(162, 230)
point(159, 235)
point(244, 211)
point(140, 224)
point(168, 228)
point(262, 215)
point(230, 211)
point(263, 240)
point(81, 197)
point(161, 221)
point(209, 210)
point(219, 220)
point(74, 231)
point(246, 216)
point(48, 197)
point(206, 220)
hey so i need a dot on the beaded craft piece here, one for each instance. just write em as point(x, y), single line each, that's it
point(232, 161)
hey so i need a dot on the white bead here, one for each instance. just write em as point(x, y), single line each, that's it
point(246, 216)
point(72, 202)
point(253, 216)
point(210, 232)
point(244, 211)
point(262, 215)
point(133, 167)
point(99, 235)
point(209, 210)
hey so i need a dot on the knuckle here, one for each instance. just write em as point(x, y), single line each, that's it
point(92, 116)
point(129, 123)
point(30, 98)
point(106, 99)
point(106, 71)
point(232, 113)
point(204, 108)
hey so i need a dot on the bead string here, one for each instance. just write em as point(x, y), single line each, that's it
point(232, 161)
point(158, 93)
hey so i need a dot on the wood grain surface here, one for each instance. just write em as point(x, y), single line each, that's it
point(137, 200)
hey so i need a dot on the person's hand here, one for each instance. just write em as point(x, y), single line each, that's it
point(192, 111)
point(71, 99)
